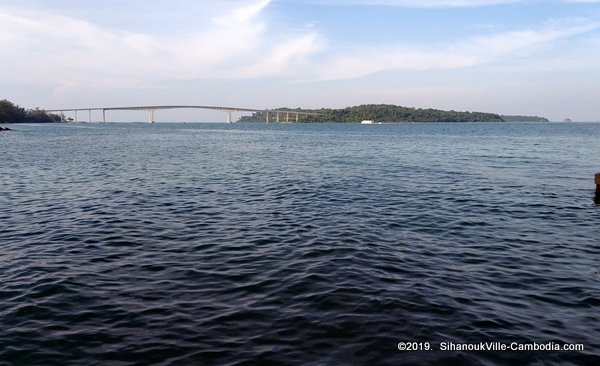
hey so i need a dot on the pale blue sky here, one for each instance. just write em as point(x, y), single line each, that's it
point(509, 57)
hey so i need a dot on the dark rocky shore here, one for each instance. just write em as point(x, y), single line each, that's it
point(5, 129)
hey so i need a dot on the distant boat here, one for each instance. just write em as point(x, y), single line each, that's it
point(367, 122)
point(567, 120)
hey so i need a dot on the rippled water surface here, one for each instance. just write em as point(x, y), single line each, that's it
point(213, 244)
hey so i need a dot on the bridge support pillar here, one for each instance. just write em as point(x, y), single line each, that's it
point(76, 119)
point(90, 114)
point(104, 115)
point(151, 115)
point(267, 116)
point(297, 117)
point(229, 117)
point(277, 117)
point(287, 117)
point(62, 116)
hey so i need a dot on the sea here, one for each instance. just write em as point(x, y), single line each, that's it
point(299, 244)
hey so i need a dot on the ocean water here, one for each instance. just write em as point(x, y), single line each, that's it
point(254, 244)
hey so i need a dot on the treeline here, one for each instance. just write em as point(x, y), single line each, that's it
point(384, 113)
point(524, 119)
point(11, 113)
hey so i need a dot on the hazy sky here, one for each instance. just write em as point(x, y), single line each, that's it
point(510, 57)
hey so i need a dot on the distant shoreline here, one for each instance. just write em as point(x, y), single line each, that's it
point(378, 113)
point(386, 113)
point(11, 113)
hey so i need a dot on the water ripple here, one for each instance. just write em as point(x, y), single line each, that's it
point(309, 245)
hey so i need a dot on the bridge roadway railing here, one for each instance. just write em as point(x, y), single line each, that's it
point(152, 108)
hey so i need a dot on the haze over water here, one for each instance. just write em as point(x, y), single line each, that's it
point(324, 244)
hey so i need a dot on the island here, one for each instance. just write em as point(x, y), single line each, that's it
point(390, 113)
point(11, 113)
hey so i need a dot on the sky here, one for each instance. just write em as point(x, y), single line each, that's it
point(523, 57)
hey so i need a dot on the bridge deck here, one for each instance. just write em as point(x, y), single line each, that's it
point(159, 107)
point(152, 108)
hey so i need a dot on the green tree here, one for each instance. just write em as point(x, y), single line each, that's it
point(11, 113)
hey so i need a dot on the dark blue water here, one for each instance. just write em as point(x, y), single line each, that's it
point(213, 244)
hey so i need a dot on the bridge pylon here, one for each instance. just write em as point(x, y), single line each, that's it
point(278, 115)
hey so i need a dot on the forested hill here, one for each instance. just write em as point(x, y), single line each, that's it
point(11, 113)
point(383, 113)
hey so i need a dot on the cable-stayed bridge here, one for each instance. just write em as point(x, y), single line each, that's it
point(277, 115)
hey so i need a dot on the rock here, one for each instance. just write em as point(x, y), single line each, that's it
point(5, 129)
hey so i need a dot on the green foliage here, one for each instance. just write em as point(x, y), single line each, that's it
point(37, 115)
point(524, 119)
point(11, 113)
point(384, 113)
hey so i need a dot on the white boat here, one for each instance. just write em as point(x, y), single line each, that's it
point(367, 122)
